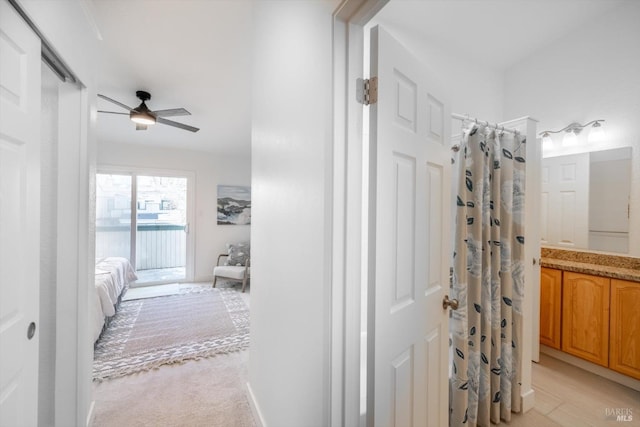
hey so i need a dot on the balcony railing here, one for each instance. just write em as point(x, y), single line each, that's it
point(158, 245)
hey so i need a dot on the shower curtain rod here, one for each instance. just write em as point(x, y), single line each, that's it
point(483, 122)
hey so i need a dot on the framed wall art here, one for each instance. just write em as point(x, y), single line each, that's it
point(234, 205)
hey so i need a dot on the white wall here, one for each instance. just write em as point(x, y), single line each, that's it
point(291, 136)
point(210, 170)
point(593, 73)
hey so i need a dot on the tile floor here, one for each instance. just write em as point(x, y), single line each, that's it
point(571, 397)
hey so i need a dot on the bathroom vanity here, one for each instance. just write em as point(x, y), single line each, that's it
point(590, 310)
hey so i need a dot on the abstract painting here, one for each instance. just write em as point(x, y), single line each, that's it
point(234, 204)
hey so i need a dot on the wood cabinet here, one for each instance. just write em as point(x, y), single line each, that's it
point(550, 307)
point(625, 328)
point(585, 317)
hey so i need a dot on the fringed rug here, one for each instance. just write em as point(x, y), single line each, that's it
point(147, 333)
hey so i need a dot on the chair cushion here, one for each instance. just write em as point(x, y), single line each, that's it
point(238, 253)
point(230, 271)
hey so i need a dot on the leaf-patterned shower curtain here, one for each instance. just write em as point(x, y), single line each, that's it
point(488, 278)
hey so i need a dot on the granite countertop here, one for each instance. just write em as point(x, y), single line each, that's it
point(594, 269)
point(597, 264)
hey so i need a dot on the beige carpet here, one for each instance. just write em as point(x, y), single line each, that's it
point(208, 392)
point(148, 333)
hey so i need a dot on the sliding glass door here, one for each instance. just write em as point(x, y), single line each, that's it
point(161, 232)
point(156, 207)
point(113, 216)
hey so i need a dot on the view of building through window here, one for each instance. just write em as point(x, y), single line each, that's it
point(161, 223)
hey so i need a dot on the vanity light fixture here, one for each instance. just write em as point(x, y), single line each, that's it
point(596, 134)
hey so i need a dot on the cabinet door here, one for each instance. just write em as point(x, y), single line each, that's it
point(585, 317)
point(625, 328)
point(550, 307)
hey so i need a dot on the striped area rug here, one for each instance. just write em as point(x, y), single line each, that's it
point(148, 333)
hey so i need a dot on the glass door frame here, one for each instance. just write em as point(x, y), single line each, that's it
point(134, 172)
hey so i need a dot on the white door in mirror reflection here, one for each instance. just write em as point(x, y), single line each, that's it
point(585, 200)
point(565, 201)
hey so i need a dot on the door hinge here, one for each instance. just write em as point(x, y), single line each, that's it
point(367, 91)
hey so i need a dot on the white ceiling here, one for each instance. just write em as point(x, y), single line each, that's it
point(196, 54)
point(496, 33)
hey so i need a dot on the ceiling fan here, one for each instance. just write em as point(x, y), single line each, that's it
point(142, 116)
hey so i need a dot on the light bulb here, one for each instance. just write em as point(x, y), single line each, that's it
point(596, 134)
point(570, 139)
point(143, 120)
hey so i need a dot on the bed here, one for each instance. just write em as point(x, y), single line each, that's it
point(113, 275)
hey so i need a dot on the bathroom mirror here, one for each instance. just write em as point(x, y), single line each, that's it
point(585, 200)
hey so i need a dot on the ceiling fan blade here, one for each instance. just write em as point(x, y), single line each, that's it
point(141, 127)
point(115, 102)
point(112, 112)
point(176, 124)
point(172, 112)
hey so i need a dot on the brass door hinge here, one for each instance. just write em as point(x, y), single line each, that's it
point(367, 91)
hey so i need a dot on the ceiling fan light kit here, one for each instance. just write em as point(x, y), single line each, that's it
point(142, 116)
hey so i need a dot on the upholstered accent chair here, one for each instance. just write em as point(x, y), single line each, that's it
point(236, 265)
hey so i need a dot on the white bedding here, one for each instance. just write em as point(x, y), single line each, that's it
point(113, 274)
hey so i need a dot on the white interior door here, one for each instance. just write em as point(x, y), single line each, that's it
point(19, 218)
point(410, 183)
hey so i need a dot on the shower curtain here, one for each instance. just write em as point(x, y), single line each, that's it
point(488, 278)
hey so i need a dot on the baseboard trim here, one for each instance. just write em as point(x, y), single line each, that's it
point(528, 400)
point(591, 367)
point(255, 408)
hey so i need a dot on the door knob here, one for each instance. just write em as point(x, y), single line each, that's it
point(446, 302)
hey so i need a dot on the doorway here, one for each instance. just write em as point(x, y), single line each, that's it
point(448, 67)
point(144, 216)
